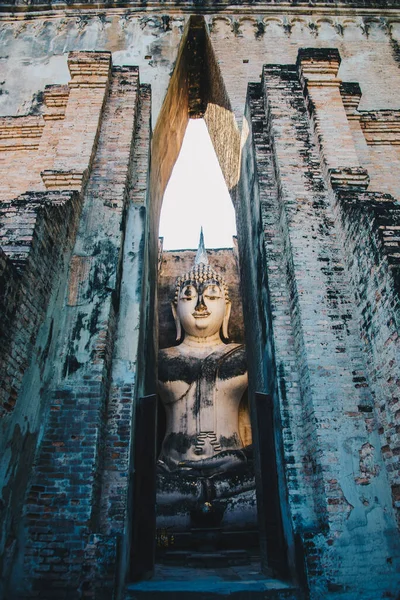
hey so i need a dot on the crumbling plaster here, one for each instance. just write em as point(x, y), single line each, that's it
point(34, 47)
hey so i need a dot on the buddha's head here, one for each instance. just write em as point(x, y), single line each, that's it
point(201, 304)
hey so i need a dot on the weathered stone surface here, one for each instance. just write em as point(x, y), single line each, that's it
point(57, 149)
point(30, 228)
point(37, 234)
point(371, 223)
point(304, 262)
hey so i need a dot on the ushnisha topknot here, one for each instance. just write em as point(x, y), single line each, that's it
point(201, 273)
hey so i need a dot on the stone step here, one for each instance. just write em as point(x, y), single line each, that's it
point(207, 558)
point(236, 583)
point(212, 590)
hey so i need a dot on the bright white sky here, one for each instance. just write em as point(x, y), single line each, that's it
point(196, 196)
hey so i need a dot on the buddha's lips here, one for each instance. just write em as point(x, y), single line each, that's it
point(202, 315)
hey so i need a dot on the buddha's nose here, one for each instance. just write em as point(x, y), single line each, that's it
point(200, 306)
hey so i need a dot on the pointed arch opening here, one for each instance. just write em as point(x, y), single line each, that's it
point(196, 91)
point(197, 196)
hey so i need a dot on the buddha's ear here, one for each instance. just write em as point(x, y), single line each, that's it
point(225, 322)
point(177, 322)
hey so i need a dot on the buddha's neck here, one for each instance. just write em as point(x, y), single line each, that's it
point(202, 342)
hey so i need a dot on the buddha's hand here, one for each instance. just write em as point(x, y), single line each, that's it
point(222, 462)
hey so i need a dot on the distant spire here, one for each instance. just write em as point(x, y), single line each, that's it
point(201, 256)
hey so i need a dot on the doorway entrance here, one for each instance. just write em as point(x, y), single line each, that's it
point(197, 91)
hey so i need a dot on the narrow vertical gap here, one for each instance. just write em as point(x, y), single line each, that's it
point(204, 509)
point(196, 92)
point(197, 196)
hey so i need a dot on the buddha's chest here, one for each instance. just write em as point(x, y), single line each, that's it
point(222, 366)
point(198, 395)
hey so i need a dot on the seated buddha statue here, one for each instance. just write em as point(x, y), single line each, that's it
point(201, 382)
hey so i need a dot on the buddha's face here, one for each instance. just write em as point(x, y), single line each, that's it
point(201, 307)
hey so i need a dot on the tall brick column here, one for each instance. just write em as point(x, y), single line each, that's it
point(370, 235)
point(318, 70)
point(132, 354)
point(69, 549)
point(77, 140)
point(332, 462)
point(372, 220)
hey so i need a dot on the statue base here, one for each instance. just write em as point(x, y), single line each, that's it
point(226, 500)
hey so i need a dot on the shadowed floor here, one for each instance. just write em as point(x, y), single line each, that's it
point(240, 582)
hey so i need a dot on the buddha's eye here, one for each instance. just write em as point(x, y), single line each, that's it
point(187, 294)
point(212, 293)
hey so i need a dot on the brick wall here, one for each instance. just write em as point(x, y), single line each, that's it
point(371, 222)
point(19, 144)
point(36, 229)
point(10, 282)
point(325, 403)
point(64, 543)
point(55, 150)
point(380, 133)
point(258, 224)
point(380, 128)
point(129, 360)
point(37, 234)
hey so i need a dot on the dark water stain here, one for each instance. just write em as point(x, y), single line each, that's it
point(22, 446)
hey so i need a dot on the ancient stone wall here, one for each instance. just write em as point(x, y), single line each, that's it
point(38, 231)
point(370, 224)
point(78, 406)
point(132, 363)
point(55, 151)
point(37, 228)
point(324, 391)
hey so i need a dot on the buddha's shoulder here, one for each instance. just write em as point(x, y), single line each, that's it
point(236, 348)
point(175, 353)
point(234, 361)
point(226, 351)
point(171, 351)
